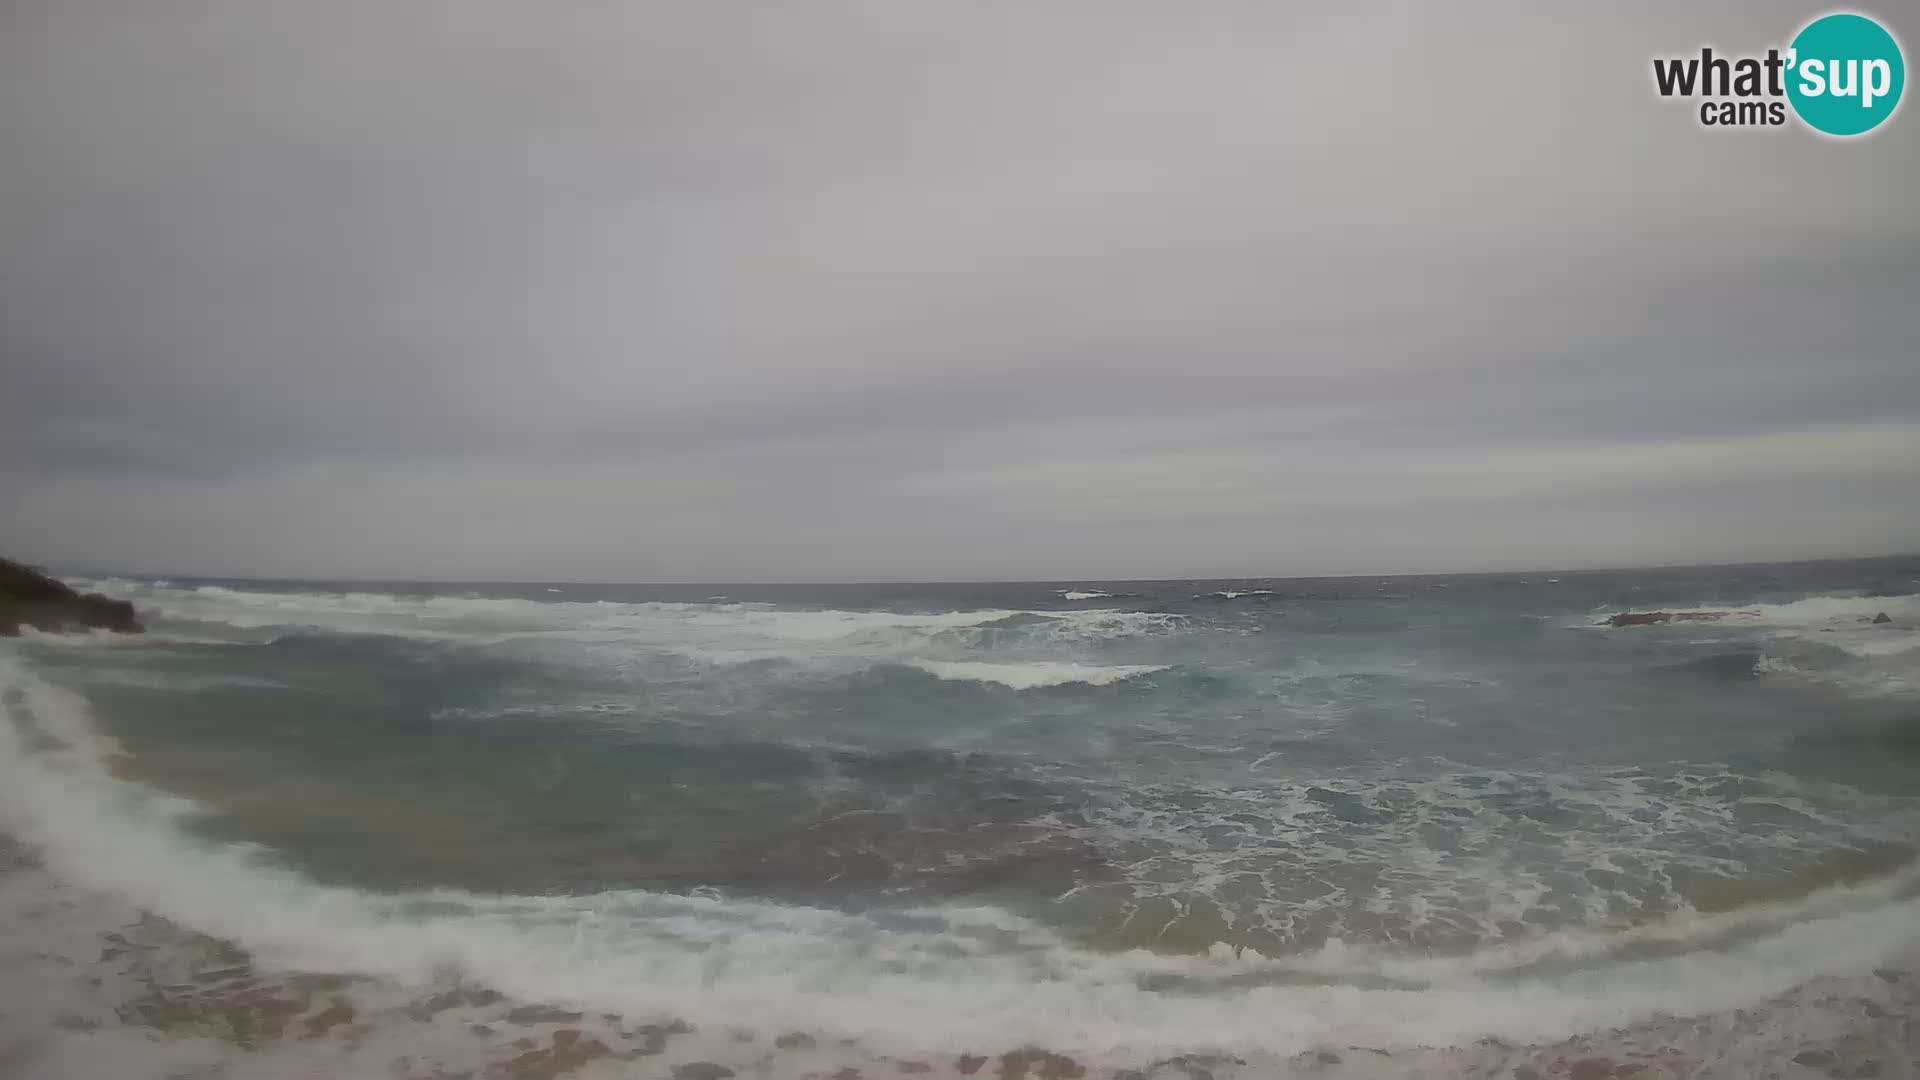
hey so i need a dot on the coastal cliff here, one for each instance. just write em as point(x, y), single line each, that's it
point(30, 598)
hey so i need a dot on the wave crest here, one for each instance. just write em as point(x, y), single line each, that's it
point(1035, 674)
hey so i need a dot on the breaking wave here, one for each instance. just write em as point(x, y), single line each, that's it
point(1031, 676)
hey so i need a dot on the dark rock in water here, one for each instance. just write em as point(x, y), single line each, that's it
point(1192, 1066)
point(567, 1054)
point(1638, 618)
point(1649, 618)
point(1042, 1064)
point(1019, 619)
point(1593, 1068)
point(1881, 619)
point(541, 1014)
point(30, 598)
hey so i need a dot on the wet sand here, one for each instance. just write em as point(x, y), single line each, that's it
point(91, 987)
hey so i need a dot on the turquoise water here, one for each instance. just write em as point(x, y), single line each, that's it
point(1099, 795)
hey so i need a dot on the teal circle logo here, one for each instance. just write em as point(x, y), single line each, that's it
point(1846, 74)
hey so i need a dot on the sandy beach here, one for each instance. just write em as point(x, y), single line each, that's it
point(96, 987)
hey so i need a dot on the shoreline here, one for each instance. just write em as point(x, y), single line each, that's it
point(1731, 967)
point(93, 986)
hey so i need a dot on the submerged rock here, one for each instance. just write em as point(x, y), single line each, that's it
point(794, 1040)
point(1649, 618)
point(30, 598)
point(1042, 1064)
point(568, 1053)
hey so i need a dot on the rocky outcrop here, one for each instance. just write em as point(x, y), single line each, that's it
point(1882, 618)
point(1650, 618)
point(30, 598)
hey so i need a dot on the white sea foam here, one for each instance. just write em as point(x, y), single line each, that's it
point(1812, 611)
point(174, 681)
point(715, 624)
point(1230, 594)
point(1820, 610)
point(1095, 624)
point(611, 636)
point(1884, 653)
point(1083, 594)
point(1808, 628)
point(1030, 676)
point(83, 639)
point(1619, 841)
point(932, 979)
point(1880, 645)
point(1817, 612)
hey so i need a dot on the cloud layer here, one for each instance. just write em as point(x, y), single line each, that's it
point(910, 290)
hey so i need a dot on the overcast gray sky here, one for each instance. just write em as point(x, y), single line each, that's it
point(964, 289)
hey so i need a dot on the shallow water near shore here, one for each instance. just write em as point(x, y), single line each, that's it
point(1391, 827)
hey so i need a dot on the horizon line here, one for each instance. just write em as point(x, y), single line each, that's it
point(1652, 567)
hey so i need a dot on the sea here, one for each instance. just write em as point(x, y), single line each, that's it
point(1373, 826)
